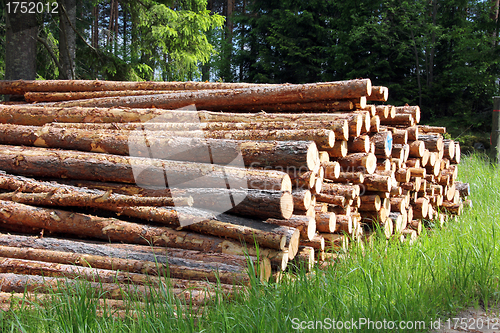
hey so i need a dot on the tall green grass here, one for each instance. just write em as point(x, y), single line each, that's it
point(445, 271)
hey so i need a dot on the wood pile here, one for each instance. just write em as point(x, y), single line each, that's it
point(324, 165)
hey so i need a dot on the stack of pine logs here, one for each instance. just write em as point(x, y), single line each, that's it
point(322, 166)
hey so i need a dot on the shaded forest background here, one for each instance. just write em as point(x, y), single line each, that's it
point(440, 54)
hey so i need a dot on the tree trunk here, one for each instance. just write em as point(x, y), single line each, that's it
point(67, 38)
point(20, 46)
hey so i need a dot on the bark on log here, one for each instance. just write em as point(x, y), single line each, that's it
point(166, 145)
point(339, 127)
point(375, 124)
point(301, 200)
point(434, 143)
point(42, 162)
point(413, 110)
point(382, 110)
point(305, 258)
point(370, 203)
point(339, 149)
point(351, 177)
point(377, 183)
point(150, 253)
point(406, 120)
point(417, 148)
point(116, 230)
point(38, 97)
point(332, 170)
point(364, 162)
point(30, 283)
point(344, 223)
point(303, 180)
point(305, 224)
point(326, 222)
point(431, 129)
point(20, 87)
point(226, 99)
point(399, 136)
point(383, 143)
point(95, 201)
point(185, 269)
point(360, 144)
point(379, 94)
point(335, 189)
point(420, 208)
point(314, 106)
point(463, 189)
point(318, 242)
point(338, 200)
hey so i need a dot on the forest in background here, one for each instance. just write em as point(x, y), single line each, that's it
point(440, 54)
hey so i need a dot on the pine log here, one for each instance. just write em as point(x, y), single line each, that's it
point(382, 111)
point(322, 137)
point(416, 225)
point(19, 283)
point(383, 143)
point(365, 120)
point(185, 269)
point(370, 203)
point(305, 224)
point(219, 148)
point(343, 223)
point(399, 136)
point(335, 189)
point(434, 143)
point(331, 170)
point(301, 200)
point(305, 258)
point(374, 124)
point(413, 110)
point(70, 96)
point(150, 253)
point(336, 242)
point(314, 106)
point(226, 99)
point(318, 242)
point(351, 177)
point(420, 208)
point(359, 144)
point(363, 162)
point(417, 148)
point(412, 133)
point(324, 157)
point(326, 222)
point(303, 180)
point(431, 129)
point(340, 149)
point(379, 94)
point(406, 120)
point(20, 87)
point(456, 158)
point(338, 200)
point(42, 162)
point(103, 201)
point(117, 230)
point(463, 189)
point(449, 149)
point(375, 182)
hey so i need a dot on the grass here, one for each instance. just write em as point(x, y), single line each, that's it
point(445, 271)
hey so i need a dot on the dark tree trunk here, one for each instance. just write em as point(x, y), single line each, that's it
point(67, 39)
point(20, 45)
